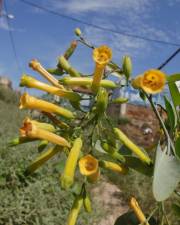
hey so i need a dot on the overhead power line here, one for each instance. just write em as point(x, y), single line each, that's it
point(169, 59)
point(12, 39)
point(33, 4)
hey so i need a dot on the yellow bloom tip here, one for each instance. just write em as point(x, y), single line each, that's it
point(23, 99)
point(102, 55)
point(88, 165)
point(34, 64)
point(152, 81)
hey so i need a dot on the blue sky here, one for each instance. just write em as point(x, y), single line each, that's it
point(44, 36)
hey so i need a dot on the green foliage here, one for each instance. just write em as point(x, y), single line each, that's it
point(174, 93)
point(172, 117)
point(30, 200)
point(8, 95)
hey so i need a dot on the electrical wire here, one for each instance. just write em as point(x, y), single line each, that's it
point(12, 39)
point(33, 4)
point(169, 59)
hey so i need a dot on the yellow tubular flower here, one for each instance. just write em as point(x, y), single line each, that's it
point(45, 126)
point(138, 212)
point(35, 65)
point(32, 131)
point(89, 167)
point(152, 81)
point(73, 214)
point(134, 148)
point(67, 177)
point(44, 157)
point(84, 81)
point(113, 166)
point(30, 102)
point(31, 82)
point(101, 56)
point(136, 83)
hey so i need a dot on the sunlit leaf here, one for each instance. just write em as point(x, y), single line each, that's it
point(173, 78)
point(175, 93)
point(166, 174)
point(172, 117)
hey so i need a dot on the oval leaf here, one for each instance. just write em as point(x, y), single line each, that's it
point(166, 175)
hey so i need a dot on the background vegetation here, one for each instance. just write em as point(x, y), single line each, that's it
point(37, 199)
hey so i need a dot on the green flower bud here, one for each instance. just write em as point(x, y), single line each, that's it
point(102, 101)
point(77, 32)
point(120, 100)
point(127, 66)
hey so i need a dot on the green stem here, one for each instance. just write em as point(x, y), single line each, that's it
point(160, 120)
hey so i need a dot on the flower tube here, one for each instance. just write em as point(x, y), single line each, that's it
point(30, 102)
point(101, 56)
point(20, 140)
point(35, 65)
point(44, 157)
point(89, 167)
point(152, 81)
point(45, 126)
point(73, 214)
point(113, 166)
point(134, 148)
point(113, 152)
point(68, 68)
point(86, 81)
point(101, 101)
point(67, 177)
point(32, 131)
point(138, 212)
point(31, 82)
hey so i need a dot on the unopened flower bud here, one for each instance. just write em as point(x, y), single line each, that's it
point(77, 32)
point(127, 66)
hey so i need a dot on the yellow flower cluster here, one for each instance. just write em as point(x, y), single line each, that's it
point(67, 132)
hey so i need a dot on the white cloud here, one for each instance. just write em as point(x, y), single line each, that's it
point(3, 24)
point(124, 44)
point(173, 2)
point(105, 6)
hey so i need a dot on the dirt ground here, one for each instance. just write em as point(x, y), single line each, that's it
point(110, 197)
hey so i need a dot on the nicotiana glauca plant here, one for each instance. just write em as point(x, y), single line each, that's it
point(86, 135)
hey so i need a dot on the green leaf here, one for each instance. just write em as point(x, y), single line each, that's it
point(172, 116)
point(175, 94)
point(173, 77)
point(142, 95)
point(166, 174)
point(176, 208)
point(177, 147)
point(139, 166)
